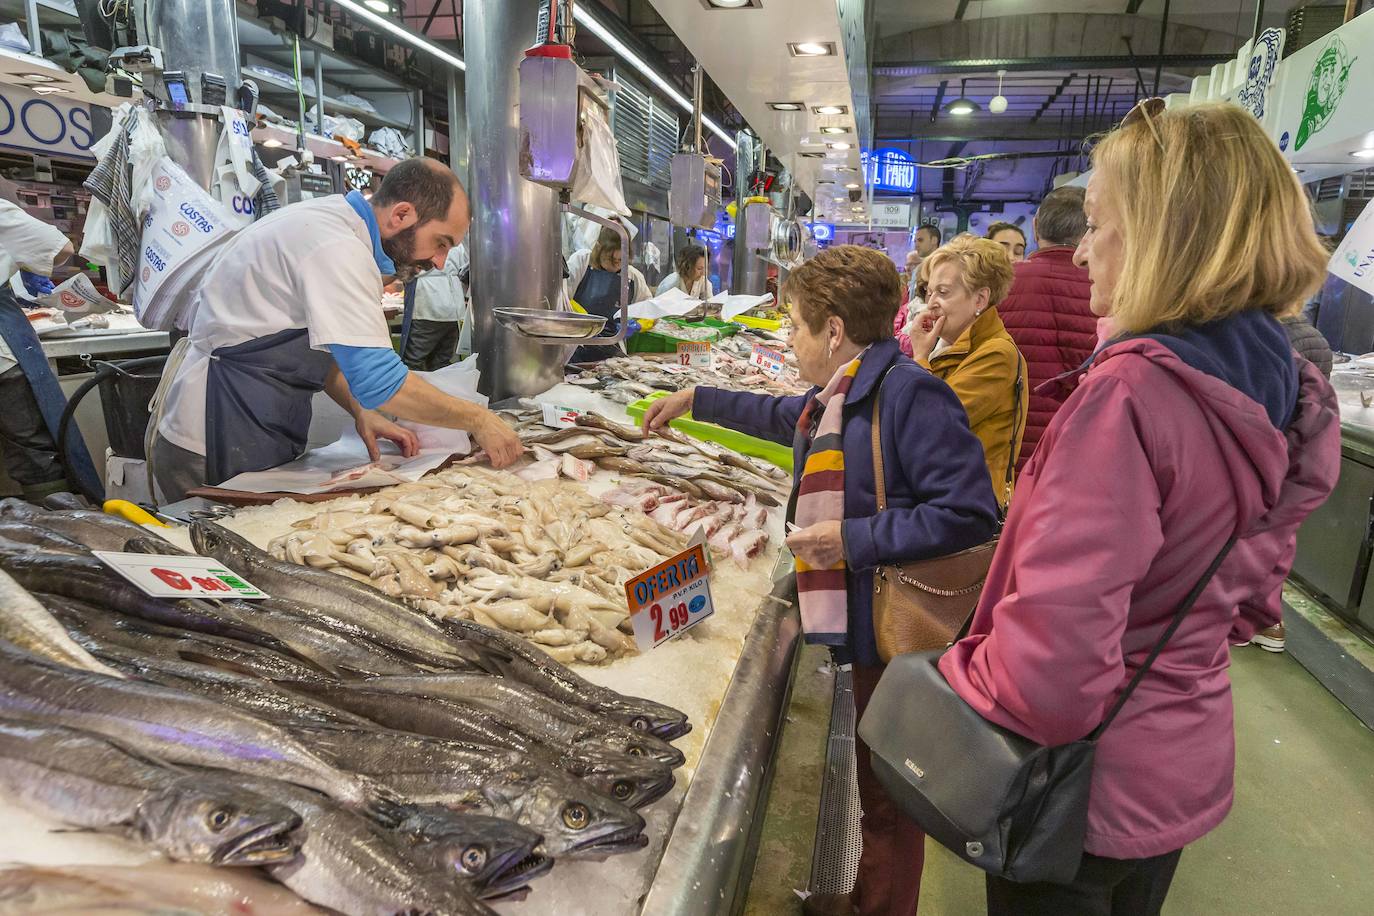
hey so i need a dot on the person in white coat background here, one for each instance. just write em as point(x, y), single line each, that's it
point(594, 284)
point(691, 275)
point(440, 313)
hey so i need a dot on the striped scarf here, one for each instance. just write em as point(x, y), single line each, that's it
point(822, 593)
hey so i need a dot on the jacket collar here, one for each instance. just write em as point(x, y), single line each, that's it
point(365, 213)
point(1054, 252)
point(985, 326)
point(879, 357)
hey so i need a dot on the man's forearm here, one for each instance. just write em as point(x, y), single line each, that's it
point(420, 402)
point(336, 386)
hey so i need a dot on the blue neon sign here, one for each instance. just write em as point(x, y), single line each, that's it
point(889, 169)
point(823, 232)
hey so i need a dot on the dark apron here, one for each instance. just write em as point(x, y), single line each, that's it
point(257, 402)
point(599, 294)
point(23, 342)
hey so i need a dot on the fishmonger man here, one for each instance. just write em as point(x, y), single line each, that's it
point(291, 307)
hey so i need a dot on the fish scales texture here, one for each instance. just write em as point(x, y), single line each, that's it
point(26, 623)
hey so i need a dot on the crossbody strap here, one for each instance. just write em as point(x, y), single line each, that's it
point(1164, 638)
point(1015, 422)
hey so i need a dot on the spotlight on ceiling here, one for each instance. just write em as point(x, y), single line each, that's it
point(834, 130)
point(38, 77)
point(379, 6)
point(1363, 153)
point(811, 155)
point(731, 4)
point(963, 105)
point(786, 106)
point(840, 146)
point(271, 143)
point(853, 186)
point(830, 109)
point(811, 48)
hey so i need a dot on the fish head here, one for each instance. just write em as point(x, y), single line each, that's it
point(647, 716)
point(203, 819)
point(495, 855)
point(632, 781)
point(575, 820)
point(210, 539)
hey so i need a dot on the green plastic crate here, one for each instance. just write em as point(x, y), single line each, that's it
point(772, 452)
point(654, 342)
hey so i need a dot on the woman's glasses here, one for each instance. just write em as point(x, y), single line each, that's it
point(1146, 110)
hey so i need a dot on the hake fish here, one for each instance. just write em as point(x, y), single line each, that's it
point(25, 623)
point(349, 864)
point(147, 890)
point(94, 529)
point(530, 666)
point(573, 819)
point(491, 856)
point(172, 725)
point(370, 608)
point(88, 781)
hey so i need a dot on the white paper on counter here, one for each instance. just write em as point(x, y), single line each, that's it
point(77, 297)
point(342, 465)
point(672, 304)
point(732, 305)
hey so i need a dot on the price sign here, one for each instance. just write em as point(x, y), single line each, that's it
point(670, 598)
point(559, 417)
point(179, 577)
point(694, 353)
point(768, 360)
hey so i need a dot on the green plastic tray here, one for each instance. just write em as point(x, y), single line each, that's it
point(654, 342)
point(752, 446)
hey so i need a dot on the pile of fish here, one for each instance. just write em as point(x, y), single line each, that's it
point(364, 756)
point(546, 560)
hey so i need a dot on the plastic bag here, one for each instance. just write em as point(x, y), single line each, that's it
point(336, 127)
point(390, 142)
point(12, 36)
point(596, 178)
point(653, 257)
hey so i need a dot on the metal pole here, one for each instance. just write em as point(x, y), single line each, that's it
point(515, 242)
point(457, 128)
point(1352, 7)
point(419, 122)
point(319, 93)
point(300, 91)
point(1259, 19)
point(696, 108)
point(31, 22)
point(1163, 33)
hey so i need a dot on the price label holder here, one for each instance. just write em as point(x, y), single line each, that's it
point(768, 360)
point(671, 598)
point(167, 576)
point(559, 417)
point(696, 353)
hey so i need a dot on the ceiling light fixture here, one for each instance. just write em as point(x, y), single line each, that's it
point(380, 6)
point(594, 26)
point(409, 37)
point(853, 186)
point(271, 143)
point(830, 109)
point(963, 105)
point(1367, 153)
point(786, 106)
point(38, 77)
point(811, 155)
point(840, 146)
point(51, 90)
point(811, 48)
point(999, 101)
point(834, 130)
point(729, 4)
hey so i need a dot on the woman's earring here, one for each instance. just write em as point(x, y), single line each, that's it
point(829, 352)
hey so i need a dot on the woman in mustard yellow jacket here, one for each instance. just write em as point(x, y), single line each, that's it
point(960, 338)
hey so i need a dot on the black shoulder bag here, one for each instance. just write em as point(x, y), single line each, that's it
point(996, 799)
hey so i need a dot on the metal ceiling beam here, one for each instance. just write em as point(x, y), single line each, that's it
point(939, 99)
point(1077, 62)
point(963, 8)
point(1055, 97)
point(1133, 6)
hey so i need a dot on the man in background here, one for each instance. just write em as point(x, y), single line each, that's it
point(1047, 311)
point(439, 316)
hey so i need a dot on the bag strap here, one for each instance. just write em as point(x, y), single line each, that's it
point(879, 474)
point(1015, 422)
point(1164, 638)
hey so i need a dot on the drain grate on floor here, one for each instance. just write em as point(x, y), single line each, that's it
point(835, 860)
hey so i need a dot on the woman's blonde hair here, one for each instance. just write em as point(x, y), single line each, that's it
point(1213, 219)
point(982, 263)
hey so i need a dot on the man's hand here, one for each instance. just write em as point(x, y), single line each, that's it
point(36, 285)
point(498, 440)
point(373, 426)
point(925, 334)
point(820, 546)
point(665, 410)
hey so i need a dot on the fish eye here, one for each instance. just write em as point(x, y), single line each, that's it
point(473, 859)
point(576, 815)
point(220, 818)
point(635, 751)
point(622, 790)
point(640, 723)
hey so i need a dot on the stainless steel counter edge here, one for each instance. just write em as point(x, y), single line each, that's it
point(701, 871)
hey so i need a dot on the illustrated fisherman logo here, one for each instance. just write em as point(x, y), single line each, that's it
point(1330, 74)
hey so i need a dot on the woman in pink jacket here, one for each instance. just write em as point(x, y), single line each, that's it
point(1195, 423)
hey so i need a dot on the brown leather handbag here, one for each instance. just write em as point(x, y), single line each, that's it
point(921, 605)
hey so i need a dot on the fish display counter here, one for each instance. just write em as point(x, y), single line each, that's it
point(490, 564)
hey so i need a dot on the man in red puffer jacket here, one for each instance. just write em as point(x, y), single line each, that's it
point(1047, 311)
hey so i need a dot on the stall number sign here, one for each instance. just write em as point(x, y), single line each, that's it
point(768, 360)
point(559, 417)
point(179, 577)
point(694, 353)
point(670, 598)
